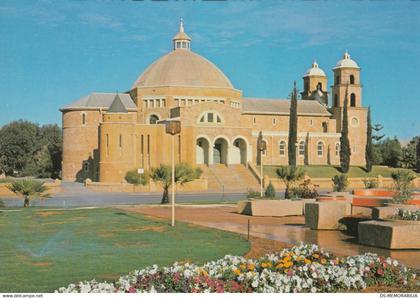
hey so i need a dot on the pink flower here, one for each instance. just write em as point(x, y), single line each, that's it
point(380, 271)
point(132, 290)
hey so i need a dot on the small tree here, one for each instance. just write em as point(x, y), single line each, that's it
point(270, 191)
point(293, 122)
point(369, 146)
point(403, 183)
point(28, 189)
point(340, 182)
point(183, 173)
point(345, 152)
point(290, 175)
point(135, 178)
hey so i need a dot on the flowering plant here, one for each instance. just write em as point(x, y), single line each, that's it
point(302, 268)
point(404, 214)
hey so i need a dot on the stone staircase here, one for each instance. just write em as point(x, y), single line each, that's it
point(229, 178)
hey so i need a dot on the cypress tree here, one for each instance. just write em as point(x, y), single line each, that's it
point(369, 146)
point(293, 127)
point(418, 156)
point(344, 139)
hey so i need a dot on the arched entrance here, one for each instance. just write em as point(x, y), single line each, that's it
point(220, 151)
point(202, 151)
point(239, 152)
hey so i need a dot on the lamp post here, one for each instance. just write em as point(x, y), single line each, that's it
point(261, 147)
point(173, 128)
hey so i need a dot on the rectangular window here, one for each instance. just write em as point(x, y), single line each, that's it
point(107, 144)
point(141, 144)
point(274, 120)
point(148, 144)
point(255, 120)
point(210, 117)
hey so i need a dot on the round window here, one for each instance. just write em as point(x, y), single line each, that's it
point(354, 121)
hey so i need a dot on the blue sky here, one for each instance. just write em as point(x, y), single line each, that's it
point(54, 52)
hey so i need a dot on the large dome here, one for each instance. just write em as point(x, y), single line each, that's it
point(182, 67)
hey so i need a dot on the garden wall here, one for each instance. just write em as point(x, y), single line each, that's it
point(195, 185)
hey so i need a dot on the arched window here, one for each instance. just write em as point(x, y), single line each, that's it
point(210, 117)
point(319, 86)
point(320, 149)
point(337, 80)
point(282, 148)
point(351, 79)
point(353, 100)
point(153, 119)
point(302, 148)
point(337, 149)
point(335, 100)
point(83, 119)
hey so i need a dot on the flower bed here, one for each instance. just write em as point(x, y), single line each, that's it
point(403, 214)
point(303, 268)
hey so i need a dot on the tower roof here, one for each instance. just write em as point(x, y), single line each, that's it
point(346, 62)
point(117, 105)
point(315, 71)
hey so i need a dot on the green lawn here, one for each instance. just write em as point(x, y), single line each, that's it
point(330, 171)
point(41, 250)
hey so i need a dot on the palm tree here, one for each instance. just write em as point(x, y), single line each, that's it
point(28, 189)
point(290, 175)
point(183, 173)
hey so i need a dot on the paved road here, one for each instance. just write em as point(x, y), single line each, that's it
point(76, 195)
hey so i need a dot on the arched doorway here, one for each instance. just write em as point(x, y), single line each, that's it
point(202, 151)
point(220, 151)
point(239, 152)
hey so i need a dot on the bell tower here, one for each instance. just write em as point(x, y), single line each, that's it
point(315, 84)
point(346, 73)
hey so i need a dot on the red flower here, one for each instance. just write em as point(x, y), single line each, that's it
point(131, 290)
point(380, 271)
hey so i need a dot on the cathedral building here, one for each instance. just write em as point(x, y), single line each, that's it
point(107, 134)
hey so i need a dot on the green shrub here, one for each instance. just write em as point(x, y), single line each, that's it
point(305, 190)
point(370, 183)
point(252, 193)
point(403, 183)
point(270, 191)
point(290, 175)
point(340, 182)
point(135, 178)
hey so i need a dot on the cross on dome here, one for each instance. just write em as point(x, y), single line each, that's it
point(181, 40)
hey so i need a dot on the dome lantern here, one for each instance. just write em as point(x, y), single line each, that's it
point(181, 40)
point(346, 62)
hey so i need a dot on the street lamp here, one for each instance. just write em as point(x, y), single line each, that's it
point(261, 147)
point(173, 127)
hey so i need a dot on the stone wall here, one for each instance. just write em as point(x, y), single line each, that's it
point(195, 185)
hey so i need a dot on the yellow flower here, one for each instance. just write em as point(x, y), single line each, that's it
point(323, 261)
point(279, 265)
point(316, 256)
point(237, 271)
point(288, 264)
point(251, 267)
point(300, 258)
point(242, 266)
point(287, 258)
point(307, 261)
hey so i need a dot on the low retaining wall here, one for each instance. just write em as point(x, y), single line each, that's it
point(195, 185)
point(53, 187)
point(270, 207)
